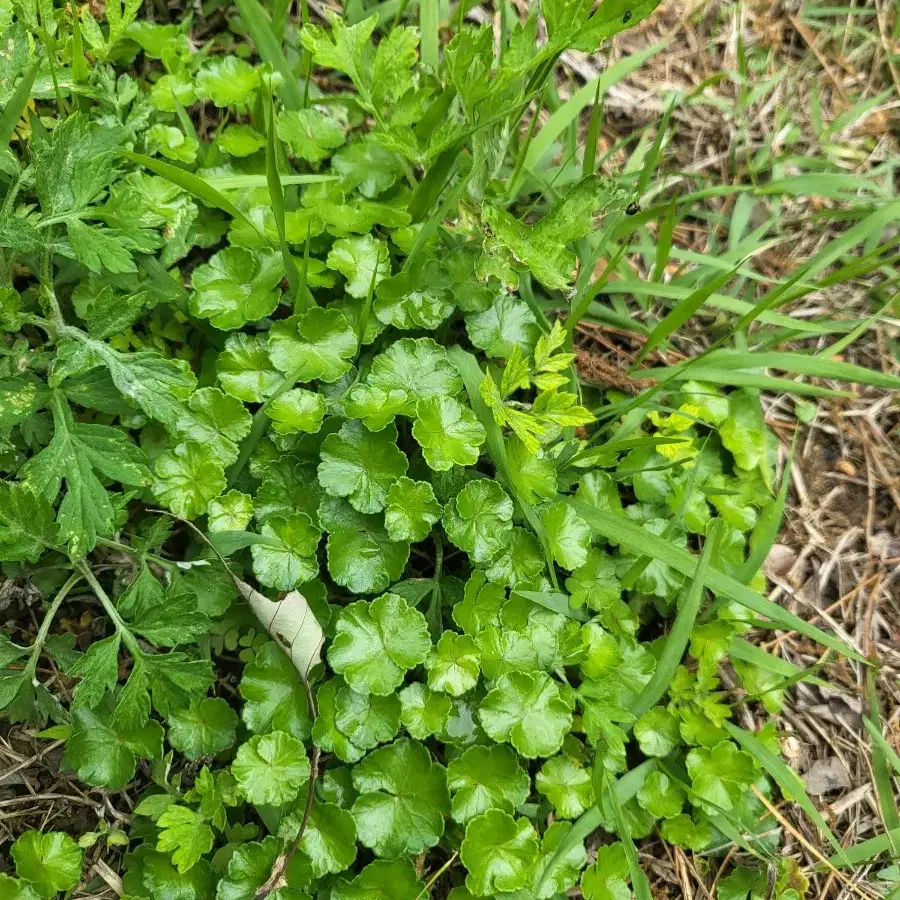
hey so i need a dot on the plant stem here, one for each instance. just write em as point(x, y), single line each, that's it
point(434, 878)
point(127, 637)
point(44, 630)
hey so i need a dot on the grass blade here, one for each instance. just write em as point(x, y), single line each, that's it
point(593, 135)
point(747, 652)
point(727, 304)
point(786, 779)
point(472, 376)
point(739, 378)
point(680, 635)
point(16, 104)
point(884, 758)
point(624, 789)
point(639, 884)
point(191, 183)
point(571, 109)
point(767, 529)
point(245, 182)
point(638, 540)
point(664, 243)
point(429, 27)
point(276, 197)
point(269, 49)
point(558, 603)
point(801, 364)
point(675, 318)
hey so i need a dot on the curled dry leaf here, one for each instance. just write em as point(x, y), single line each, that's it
point(291, 623)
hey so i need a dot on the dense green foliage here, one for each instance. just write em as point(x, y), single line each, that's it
point(326, 324)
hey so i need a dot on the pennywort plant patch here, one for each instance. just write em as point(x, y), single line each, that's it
point(381, 595)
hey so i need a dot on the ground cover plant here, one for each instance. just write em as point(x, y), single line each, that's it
point(384, 588)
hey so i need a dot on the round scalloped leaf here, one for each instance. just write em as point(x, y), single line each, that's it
point(424, 711)
point(381, 880)
point(236, 286)
point(361, 555)
point(567, 785)
point(274, 696)
point(298, 410)
point(251, 865)
point(363, 260)
point(329, 841)
point(230, 512)
point(245, 370)
point(216, 420)
point(361, 465)
point(227, 81)
point(568, 534)
point(240, 140)
point(288, 556)
point(188, 477)
point(479, 520)
point(14, 889)
point(317, 346)
point(486, 778)
point(403, 800)
point(203, 729)
point(453, 664)
point(448, 432)
point(49, 862)
point(375, 643)
point(270, 768)
point(310, 134)
point(499, 852)
point(411, 511)
point(528, 710)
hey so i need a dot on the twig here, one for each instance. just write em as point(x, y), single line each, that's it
point(434, 878)
point(279, 867)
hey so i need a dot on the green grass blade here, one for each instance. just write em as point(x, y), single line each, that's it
point(624, 789)
point(276, 197)
point(653, 154)
point(680, 635)
point(868, 229)
point(739, 378)
point(884, 758)
point(558, 603)
point(193, 184)
point(472, 376)
point(685, 310)
point(16, 104)
point(593, 134)
point(79, 61)
point(639, 884)
point(841, 345)
point(246, 182)
point(257, 21)
point(639, 540)
point(866, 851)
point(571, 109)
point(767, 529)
point(801, 364)
point(664, 243)
point(727, 304)
point(429, 27)
point(786, 778)
point(747, 652)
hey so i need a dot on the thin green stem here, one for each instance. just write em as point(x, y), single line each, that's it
point(127, 637)
point(426, 891)
point(44, 630)
point(258, 429)
point(124, 548)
